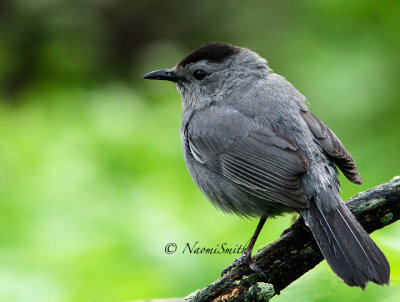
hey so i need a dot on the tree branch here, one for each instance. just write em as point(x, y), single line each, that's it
point(296, 251)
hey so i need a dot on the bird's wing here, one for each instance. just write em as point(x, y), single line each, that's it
point(257, 158)
point(333, 147)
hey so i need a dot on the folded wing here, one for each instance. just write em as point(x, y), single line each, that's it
point(260, 160)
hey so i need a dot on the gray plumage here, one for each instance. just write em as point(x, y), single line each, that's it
point(253, 148)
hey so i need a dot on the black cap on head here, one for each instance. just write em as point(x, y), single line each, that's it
point(212, 51)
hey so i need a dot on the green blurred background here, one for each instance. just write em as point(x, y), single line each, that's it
point(92, 179)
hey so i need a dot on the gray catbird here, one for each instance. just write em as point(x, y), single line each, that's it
point(253, 148)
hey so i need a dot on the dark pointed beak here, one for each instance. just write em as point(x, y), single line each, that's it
point(163, 74)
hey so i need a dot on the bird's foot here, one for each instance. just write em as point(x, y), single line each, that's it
point(244, 259)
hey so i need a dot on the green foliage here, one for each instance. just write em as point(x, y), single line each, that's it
point(92, 181)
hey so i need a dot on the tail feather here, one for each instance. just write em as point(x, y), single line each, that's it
point(346, 246)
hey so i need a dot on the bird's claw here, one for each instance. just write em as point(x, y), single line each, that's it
point(245, 258)
point(236, 263)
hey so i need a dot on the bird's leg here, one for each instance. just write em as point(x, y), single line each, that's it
point(246, 257)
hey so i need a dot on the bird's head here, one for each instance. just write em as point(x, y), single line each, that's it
point(213, 71)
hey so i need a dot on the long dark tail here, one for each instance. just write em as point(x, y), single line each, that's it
point(347, 247)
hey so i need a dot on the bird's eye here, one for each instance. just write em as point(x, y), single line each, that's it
point(199, 74)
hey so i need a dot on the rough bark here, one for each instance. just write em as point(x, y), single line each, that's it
point(296, 251)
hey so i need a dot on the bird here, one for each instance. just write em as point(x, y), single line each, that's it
point(254, 149)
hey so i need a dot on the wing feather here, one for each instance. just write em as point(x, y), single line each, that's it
point(333, 147)
point(263, 163)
